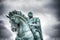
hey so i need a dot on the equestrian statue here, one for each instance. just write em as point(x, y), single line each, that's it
point(27, 28)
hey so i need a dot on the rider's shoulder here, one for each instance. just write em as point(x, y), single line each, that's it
point(35, 18)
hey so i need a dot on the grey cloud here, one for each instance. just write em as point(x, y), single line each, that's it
point(53, 8)
point(52, 31)
point(57, 33)
point(4, 32)
point(1, 9)
point(34, 9)
point(51, 38)
point(1, 0)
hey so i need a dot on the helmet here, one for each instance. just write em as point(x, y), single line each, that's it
point(30, 14)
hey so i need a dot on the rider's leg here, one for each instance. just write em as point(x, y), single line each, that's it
point(28, 36)
point(37, 36)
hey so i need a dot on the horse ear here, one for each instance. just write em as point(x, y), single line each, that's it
point(7, 16)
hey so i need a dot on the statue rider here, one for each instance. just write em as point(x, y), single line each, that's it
point(35, 27)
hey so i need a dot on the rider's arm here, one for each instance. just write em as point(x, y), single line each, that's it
point(39, 28)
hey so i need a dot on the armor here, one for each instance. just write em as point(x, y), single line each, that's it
point(35, 26)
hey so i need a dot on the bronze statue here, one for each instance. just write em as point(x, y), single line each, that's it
point(27, 28)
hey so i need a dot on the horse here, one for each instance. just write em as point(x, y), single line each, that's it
point(19, 23)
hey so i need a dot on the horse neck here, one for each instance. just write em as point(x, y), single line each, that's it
point(24, 25)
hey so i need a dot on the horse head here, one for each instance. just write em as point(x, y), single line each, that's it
point(17, 19)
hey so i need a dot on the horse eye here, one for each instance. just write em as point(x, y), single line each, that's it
point(12, 20)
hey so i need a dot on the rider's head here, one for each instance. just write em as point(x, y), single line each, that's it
point(30, 14)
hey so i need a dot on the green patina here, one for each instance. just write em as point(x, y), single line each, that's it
point(27, 28)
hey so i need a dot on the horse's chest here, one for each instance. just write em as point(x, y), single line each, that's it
point(22, 31)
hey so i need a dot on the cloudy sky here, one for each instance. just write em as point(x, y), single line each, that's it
point(46, 10)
